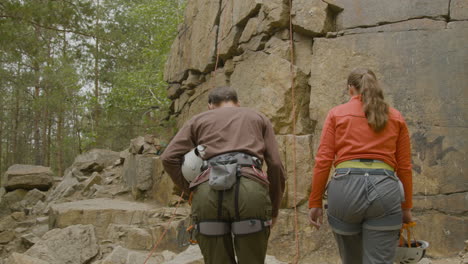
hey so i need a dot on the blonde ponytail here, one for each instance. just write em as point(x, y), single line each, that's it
point(375, 107)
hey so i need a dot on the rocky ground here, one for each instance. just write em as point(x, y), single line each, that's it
point(111, 208)
point(98, 213)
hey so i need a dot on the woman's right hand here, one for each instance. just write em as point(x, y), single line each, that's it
point(316, 217)
point(407, 217)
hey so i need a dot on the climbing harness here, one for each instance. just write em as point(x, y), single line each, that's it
point(244, 227)
point(368, 167)
point(225, 173)
point(186, 235)
point(410, 251)
point(225, 169)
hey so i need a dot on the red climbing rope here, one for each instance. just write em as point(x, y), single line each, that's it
point(165, 229)
point(293, 101)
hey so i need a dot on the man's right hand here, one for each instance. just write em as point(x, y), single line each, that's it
point(316, 217)
point(273, 221)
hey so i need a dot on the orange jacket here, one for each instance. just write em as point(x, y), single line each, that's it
point(346, 135)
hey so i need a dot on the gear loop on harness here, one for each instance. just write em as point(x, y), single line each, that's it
point(241, 227)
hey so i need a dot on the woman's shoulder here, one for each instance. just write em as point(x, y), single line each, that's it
point(395, 114)
point(352, 107)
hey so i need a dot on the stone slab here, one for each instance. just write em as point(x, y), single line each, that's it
point(410, 25)
point(21, 176)
point(268, 90)
point(364, 13)
point(458, 10)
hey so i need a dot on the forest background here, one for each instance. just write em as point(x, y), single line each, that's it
point(82, 74)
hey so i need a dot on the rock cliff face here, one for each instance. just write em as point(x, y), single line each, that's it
point(418, 50)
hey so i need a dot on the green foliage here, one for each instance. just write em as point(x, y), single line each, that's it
point(79, 74)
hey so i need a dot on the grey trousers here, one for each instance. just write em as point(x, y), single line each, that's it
point(364, 212)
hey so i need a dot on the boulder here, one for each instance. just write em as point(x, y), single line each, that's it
point(7, 236)
point(437, 127)
point(193, 79)
point(273, 16)
point(250, 30)
point(136, 145)
point(312, 17)
point(95, 178)
point(138, 172)
point(11, 201)
point(117, 256)
point(304, 166)
point(20, 176)
point(95, 160)
point(254, 44)
point(130, 237)
point(7, 223)
point(32, 198)
point(17, 258)
point(365, 13)
point(65, 188)
point(445, 233)
point(28, 240)
point(103, 212)
point(229, 30)
point(458, 10)
point(242, 10)
point(144, 172)
point(197, 35)
point(74, 245)
point(268, 90)
point(163, 186)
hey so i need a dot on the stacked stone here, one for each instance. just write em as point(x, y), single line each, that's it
point(418, 50)
point(143, 172)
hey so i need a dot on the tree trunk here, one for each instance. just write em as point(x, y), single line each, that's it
point(1, 146)
point(44, 136)
point(60, 145)
point(97, 109)
point(49, 137)
point(15, 127)
point(37, 113)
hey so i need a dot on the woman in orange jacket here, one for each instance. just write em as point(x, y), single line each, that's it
point(370, 194)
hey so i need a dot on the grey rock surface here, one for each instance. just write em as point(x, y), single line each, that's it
point(74, 245)
point(21, 176)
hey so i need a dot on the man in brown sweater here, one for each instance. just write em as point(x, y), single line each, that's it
point(239, 216)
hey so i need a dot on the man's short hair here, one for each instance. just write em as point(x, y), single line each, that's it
point(222, 94)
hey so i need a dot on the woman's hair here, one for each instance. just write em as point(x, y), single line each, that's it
point(375, 107)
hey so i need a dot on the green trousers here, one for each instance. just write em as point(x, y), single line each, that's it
point(211, 205)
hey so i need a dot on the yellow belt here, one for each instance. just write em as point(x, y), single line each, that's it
point(364, 165)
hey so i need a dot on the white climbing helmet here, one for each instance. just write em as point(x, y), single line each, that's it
point(410, 251)
point(413, 254)
point(193, 162)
